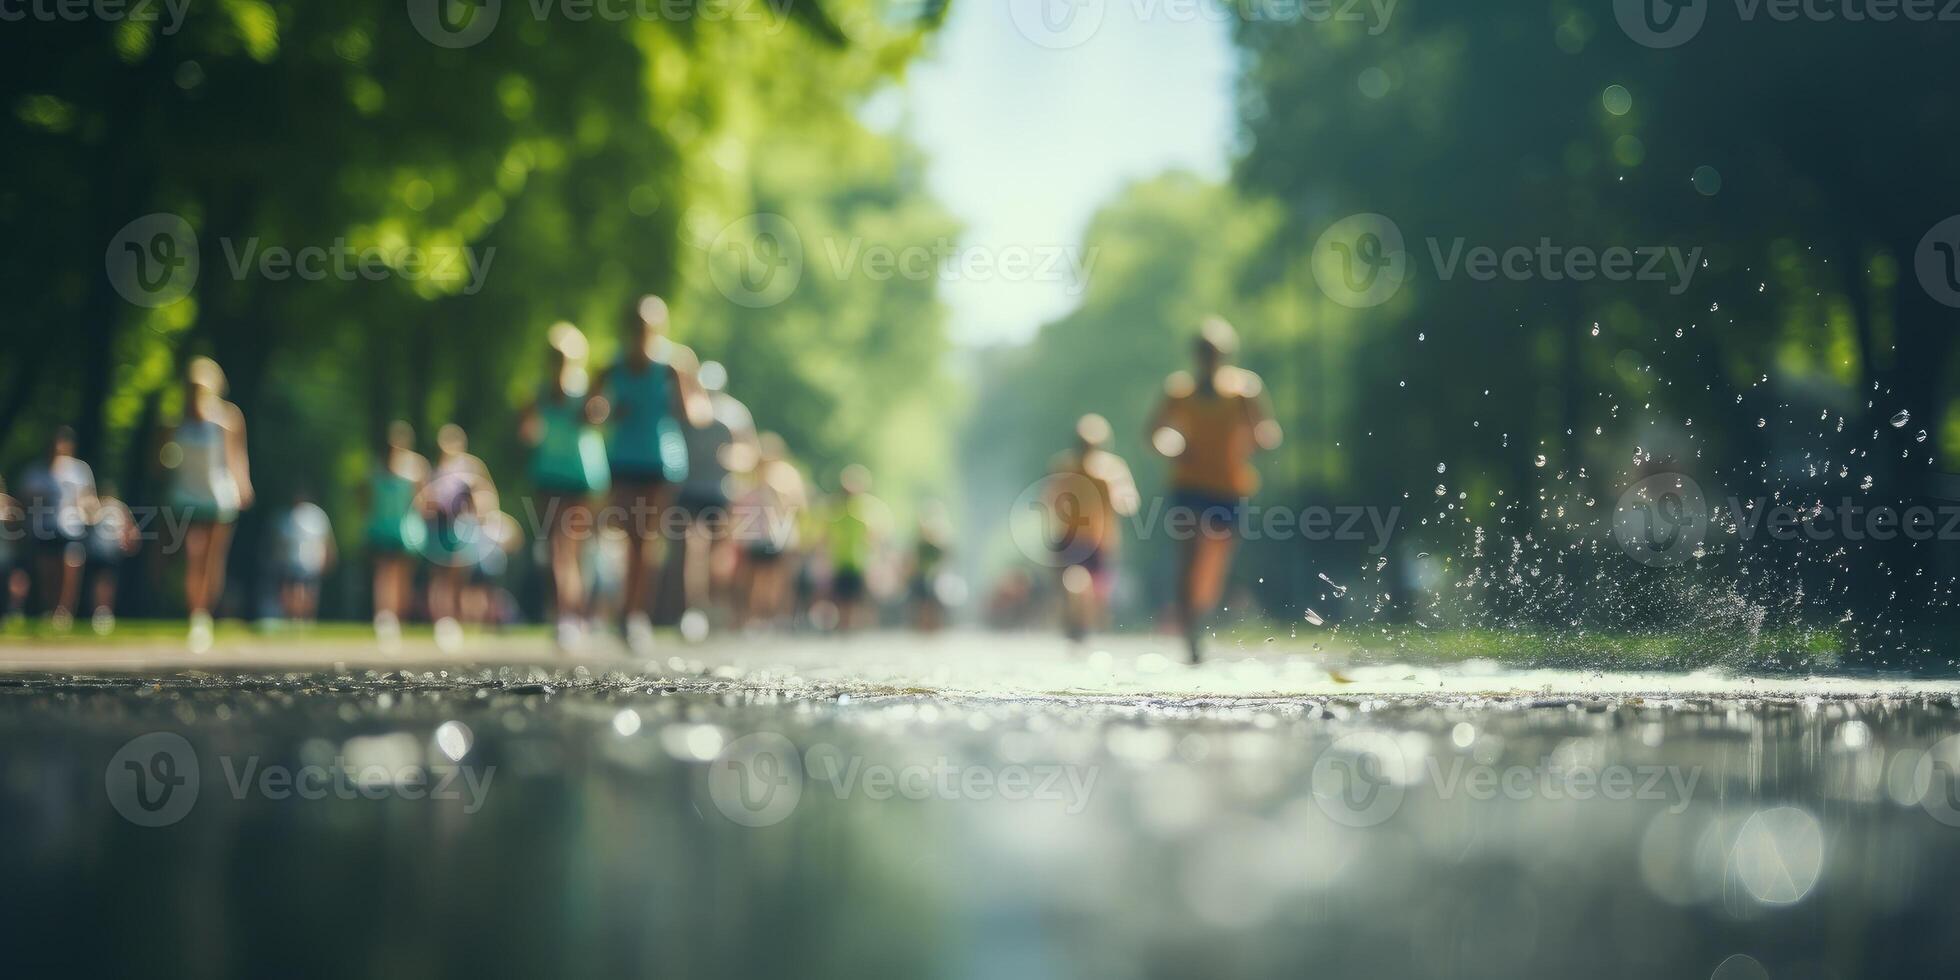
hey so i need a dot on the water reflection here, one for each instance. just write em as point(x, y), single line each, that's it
point(571, 825)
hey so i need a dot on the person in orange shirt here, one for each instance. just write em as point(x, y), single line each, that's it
point(1209, 424)
point(1089, 492)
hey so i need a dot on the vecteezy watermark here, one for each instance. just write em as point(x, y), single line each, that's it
point(1660, 23)
point(155, 779)
point(1056, 521)
point(59, 524)
point(153, 261)
point(757, 780)
point(170, 13)
point(1062, 24)
point(1936, 779)
point(1362, 779)
point(1362, 261)
point(1937, 259)
point(1672, 23)
point(1666, 519)
point(347, 263)
point(758, 260)
point(466, 23)
point(1662, 520)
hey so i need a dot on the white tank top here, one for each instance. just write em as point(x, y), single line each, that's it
point(204, 473)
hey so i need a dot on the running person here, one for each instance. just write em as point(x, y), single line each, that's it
point(13, 573)
point(717, 453)
point(210, 483)
point(1209, 424)
point(568, 466)
point(649, 395)
point(60, 495)
point(111, 538)
point(306, 551)
point(1089, 491)
point(767, 517)
point(857, 527)
point(396, 532)
point(926, 583)
point(459, 498)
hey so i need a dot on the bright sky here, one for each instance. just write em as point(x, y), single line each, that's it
point(1030, 127)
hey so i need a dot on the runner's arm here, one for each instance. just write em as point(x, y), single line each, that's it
point(528, 428)
point(1259, 414)
point(241, 467)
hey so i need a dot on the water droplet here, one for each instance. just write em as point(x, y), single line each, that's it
point(1899, 421)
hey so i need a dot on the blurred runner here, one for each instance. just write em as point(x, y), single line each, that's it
point(396, 532)
point(857, 527)
point(111, 538)
point(724, 447)
point(210, 484)
point(306, 550)
point(568, 466)
point(605, 573)
point(13, 570)
point(1209, 424)
point(649, 395)
point(767, 521)
point(1089, 491)
point(59, 493)
point(486, 602)
point(458, 498)
point(925, 583)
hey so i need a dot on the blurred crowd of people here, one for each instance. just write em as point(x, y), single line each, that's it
point(655, 496)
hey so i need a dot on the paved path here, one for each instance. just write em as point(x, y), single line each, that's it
point(962, 664)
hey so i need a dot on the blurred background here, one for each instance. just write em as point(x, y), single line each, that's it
point(1087, 179)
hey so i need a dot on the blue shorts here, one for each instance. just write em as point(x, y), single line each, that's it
point(1215, 514)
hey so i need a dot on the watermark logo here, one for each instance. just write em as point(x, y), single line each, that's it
point(1937, 261)
point(1057, 24)
point(152, 780)
point(1356, 782)
point(454, 23)
point(1361, 260)
point(170, 13)
point(343, 261)
point(1937, 779)
point(1672, 23)
point(757, 260)
point(757, 779)
point(153, 261)
point(1043, 516)
point(1064, 518)
point(1362, 779)
point(1661, 24)
point(1662, 520)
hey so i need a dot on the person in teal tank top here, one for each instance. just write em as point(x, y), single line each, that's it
point(568, 465)
point(648, 395)
point(395, 531)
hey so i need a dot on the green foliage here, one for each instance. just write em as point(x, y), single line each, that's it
point(582, 162)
